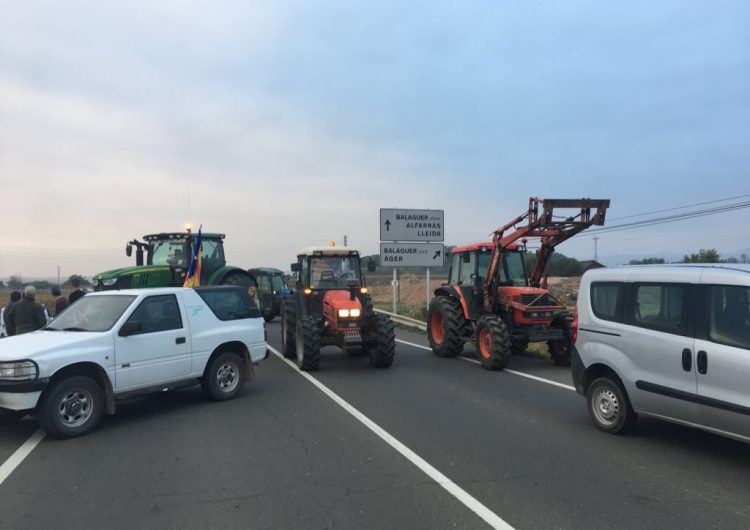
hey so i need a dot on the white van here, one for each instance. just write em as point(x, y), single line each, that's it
point(670, 341)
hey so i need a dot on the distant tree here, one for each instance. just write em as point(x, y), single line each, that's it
point(15, 282)
point(41, 284)
point(732, 260)
point(83, 281)
point(703, 256)
point(559, 265)
point(2, 284)
point(744, 258)
point(647, 261)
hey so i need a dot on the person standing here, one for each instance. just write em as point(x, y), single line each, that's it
point(77, 293)
point(15, 296)
point(60, 301)
point(26, 315)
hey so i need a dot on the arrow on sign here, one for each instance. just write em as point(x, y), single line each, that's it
point(437, 255)
point(387, 225)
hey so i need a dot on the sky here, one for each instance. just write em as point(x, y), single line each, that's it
point(286, 124)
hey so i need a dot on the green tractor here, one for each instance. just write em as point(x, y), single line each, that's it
point(163, 260)
point(272, 288)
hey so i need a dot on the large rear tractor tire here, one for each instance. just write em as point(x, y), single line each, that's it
point(383, 350)
point(307, 344)
point(240, 279)
point(288, 328)
point(494, 346)
point(560, 350)
point(445, 326)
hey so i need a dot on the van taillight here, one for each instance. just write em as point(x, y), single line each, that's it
point(574, 326)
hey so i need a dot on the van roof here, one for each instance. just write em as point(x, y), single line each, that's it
point(678, 272)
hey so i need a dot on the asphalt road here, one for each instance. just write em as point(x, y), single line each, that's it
point(285, 455)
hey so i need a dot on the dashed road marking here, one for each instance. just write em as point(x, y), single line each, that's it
point(514, 372)
point(490, 517)
point(20, 455)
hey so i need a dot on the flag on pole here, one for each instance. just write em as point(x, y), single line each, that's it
point(193, 276)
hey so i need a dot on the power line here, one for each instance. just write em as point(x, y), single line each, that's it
point(680, 207)
point(671, 218)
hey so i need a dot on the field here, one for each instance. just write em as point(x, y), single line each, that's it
point(43, 296)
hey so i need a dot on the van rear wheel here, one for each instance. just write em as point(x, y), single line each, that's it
point(609, 406)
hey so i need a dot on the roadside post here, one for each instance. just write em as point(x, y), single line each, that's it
point(411, 238)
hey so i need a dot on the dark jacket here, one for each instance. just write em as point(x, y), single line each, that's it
point(24, 317)
point(60, 304)
point(75, 295)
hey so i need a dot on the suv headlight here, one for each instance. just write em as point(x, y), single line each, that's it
point(18, 371)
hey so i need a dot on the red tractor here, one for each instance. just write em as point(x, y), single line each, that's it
point(330, 306)
point(492, 300)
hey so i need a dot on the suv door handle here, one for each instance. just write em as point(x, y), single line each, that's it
point(687, 359)
point(179, 340)
point(702, 362)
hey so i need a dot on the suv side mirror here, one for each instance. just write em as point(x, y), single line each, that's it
point(131, 327)
point(371, 265)
point(129, 250)
point(295, 267)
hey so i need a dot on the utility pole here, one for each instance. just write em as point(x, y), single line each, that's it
point(58, 275)
point(346, 240)
point(596, 251)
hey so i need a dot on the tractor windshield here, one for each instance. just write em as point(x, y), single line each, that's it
point(173, 252)
point(514, 271)
point(332, 272)
point(278, 283)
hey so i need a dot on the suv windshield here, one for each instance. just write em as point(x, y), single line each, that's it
point(92, 313)
point(514, 272)
point(328, 272)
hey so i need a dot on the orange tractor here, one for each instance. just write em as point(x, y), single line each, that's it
point(329, 306)
point(490, 297)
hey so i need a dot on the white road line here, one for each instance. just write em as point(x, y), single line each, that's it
point(514, 372)
point(20, 455)
point(451, 487)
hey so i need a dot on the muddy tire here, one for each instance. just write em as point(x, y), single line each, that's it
point(383, 350)
point(445, 326)
point(560, 350)
point(494, 346)
point(288, 328)
point(307, 344)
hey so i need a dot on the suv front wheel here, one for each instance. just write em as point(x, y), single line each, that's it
point(71, 407)
point(224, 377)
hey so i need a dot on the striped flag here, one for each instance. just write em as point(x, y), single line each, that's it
point(193, 276)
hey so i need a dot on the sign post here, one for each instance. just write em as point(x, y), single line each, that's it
point(411, 238)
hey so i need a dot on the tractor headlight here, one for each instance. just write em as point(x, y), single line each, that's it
point(354, 313)
point(19, 371)
point(107, 283)
point(343, 313)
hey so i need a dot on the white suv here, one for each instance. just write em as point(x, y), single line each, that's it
point(670, 341)
point(113, 345)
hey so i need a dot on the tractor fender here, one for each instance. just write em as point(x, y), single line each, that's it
point(451, 291)
point(218, 275)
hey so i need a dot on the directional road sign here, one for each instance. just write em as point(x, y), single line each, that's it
point(411, 254)
point(398, 224)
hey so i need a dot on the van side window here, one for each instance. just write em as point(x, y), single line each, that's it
point(730, 315)
point(605, 298)
point(660, 307)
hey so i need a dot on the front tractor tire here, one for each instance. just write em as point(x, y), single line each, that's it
point(560, 350)
point(383, 350)
point(288, 328)
point(307, 344)
point(494, 345)
point(445, 325)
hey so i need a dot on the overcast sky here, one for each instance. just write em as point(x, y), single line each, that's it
point(285, 124)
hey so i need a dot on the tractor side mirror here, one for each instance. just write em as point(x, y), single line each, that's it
point(295, 267)
point(131, 327)
point(371, 265)
point(129, 250)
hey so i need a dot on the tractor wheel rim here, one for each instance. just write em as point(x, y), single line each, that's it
point(436, 327)
point(486, 343)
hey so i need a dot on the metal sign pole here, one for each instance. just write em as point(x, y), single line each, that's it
point(394, 283)
point(428, 289)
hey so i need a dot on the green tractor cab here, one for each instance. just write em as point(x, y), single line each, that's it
point(272, 288)
point(162, 260)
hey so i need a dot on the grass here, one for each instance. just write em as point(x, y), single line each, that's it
point(416, 311)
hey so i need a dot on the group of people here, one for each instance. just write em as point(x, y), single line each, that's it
point(23, 314)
